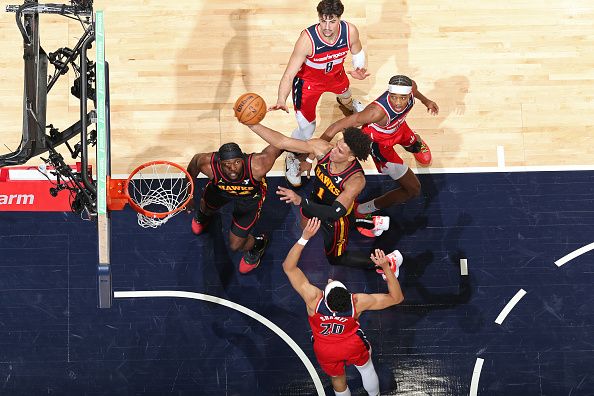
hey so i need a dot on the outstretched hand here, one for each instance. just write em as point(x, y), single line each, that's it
point(313, 225)
point(279, 106)
point(289, 196)
point(359, 73)
point(379, 258)
point(432, 107)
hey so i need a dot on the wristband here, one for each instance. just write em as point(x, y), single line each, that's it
point(310, 160)
point(302, 241)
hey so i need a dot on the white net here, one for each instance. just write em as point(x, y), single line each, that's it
point(161, 189)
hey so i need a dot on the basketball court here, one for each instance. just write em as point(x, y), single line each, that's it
point(498, 249)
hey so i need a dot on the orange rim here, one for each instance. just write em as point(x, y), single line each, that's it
point(148, 213)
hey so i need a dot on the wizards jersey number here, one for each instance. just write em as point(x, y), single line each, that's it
point(331, 328)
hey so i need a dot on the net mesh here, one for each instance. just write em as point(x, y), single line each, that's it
point(160, 189)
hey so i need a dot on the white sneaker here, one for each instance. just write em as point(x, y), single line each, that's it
point(357, 106)
point(396, 261)
point(380, 224)
point(292, 173)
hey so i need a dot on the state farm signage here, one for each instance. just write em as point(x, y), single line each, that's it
point(17, 199)
point(26, 189)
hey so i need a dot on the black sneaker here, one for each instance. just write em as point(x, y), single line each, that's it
point(251, 259)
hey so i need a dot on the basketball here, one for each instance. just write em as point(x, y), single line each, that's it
point(250, 108)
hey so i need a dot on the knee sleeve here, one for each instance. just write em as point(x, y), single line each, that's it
point(305, 129)
point(369, 377)
point(395, 171)
point(345, 95)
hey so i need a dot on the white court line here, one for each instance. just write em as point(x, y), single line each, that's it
point(419, 171)
point(230, 304)
point(510, 305)
point(500, 157)
point(463, 267)
point(574, 254)
point(476, 376)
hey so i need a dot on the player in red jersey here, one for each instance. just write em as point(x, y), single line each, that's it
point(239, 178)
point(317, 66)
point(333, 316)
point(384, 120)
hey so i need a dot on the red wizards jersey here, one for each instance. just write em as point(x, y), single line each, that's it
point(327, 60)
point(385, 134)
point(331, 327)
point(244, 187)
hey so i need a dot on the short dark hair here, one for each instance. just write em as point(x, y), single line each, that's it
point(401, 80)
point(339, 299)
point(229, 151)
point(330, 7)
point(358, 142)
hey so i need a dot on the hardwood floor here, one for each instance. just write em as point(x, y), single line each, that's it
point(516, 75)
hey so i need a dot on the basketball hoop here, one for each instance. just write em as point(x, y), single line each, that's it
point(157, 190)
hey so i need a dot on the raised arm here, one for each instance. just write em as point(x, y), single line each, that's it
point(371, 113)
point(377, 301)
point(299, 281)
point(313, 146)
point(200, 163)
point(301, 50)
point(264, 161)
point(429, 104)
point(359, 69)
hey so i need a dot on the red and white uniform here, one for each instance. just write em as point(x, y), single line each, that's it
point(337, 338)
point(396, 131)
point(323, 71)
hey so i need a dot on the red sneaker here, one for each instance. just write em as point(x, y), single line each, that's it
point(251, 260)
point(396, 261)
point(244, 267)
point(423, 157)
point(379, 224)
point(198, 228)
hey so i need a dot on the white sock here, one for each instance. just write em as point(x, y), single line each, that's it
point(346, 392)
point(367, 207)
point(369, 377)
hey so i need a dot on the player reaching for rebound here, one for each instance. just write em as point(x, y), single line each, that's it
point(317, 66)
point(239, 178)
point(339, 179)
point(333, 315)
point(384, 121)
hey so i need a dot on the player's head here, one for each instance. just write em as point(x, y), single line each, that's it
point(231, 160)
point(337, 297)
point(353, 145)
point(329, 12)
point(400, 91)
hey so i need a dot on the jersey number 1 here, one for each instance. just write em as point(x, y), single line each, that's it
point(320, 193)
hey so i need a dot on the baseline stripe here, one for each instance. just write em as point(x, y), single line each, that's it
point(510, 305)
point(436, 171)
point(574, 254)
point(476, 376)
point(230, 304)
